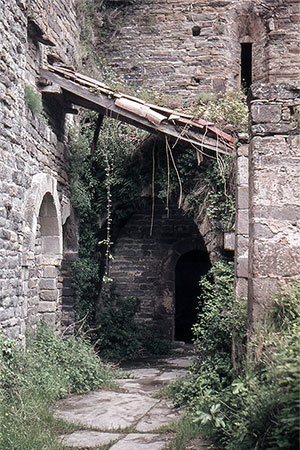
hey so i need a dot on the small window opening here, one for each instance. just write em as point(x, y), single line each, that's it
point(196, 30)
point(246, 65)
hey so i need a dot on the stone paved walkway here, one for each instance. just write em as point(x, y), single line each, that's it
point(126, 418)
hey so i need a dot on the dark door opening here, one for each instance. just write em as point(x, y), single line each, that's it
point(189, 268)
point(246, 65)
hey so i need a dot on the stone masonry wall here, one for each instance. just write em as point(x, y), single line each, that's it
point(32, 155)
point(242, 222)
point(274, 249)
point(144, 266)
point(183, 48)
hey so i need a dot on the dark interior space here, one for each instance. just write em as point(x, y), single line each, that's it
point(189, 268)
point(246, 65)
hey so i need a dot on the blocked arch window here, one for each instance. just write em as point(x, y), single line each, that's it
point(49, 226)
point(48, 262)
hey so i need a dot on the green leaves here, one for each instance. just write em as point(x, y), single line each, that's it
point(32, 378)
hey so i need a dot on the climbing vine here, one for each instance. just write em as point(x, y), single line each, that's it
point(127, 168)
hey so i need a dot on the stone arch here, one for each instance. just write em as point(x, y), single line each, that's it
point(143, 265)
point(168, 268)
point(42, 250)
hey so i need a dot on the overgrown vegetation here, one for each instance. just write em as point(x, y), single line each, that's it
point(109, 185)
point(254, 406)
point(33, 100)
point(229, 111)
point(31, 379)
point(120, 335)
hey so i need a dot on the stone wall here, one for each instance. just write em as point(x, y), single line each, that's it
point(183, 48)
point(242, 222)
point(274, 249)
point(32, 164)
point(143, 265)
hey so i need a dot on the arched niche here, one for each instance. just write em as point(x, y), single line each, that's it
point(42, 251)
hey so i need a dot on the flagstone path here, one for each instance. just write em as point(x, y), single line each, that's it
point(128, 417)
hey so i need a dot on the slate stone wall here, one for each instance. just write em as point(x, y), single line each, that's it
point(143, 265)
point(32, 161)
point(274, 179)
point(183, 48)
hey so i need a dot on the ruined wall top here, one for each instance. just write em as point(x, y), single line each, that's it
point(184, 48)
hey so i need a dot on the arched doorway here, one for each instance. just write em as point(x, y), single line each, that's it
point(189, 268)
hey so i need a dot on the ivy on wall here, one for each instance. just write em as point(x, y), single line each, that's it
point(119, 178)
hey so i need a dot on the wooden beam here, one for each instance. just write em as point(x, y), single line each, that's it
point(97, 131)
point(82, 96)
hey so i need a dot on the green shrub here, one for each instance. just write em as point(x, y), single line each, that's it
point(118, 331)
point(225, 110)
point(153, 344)
point(33, 100)
point(258, 408)
point(32, 379)
point(120, 335)
point(220, 317)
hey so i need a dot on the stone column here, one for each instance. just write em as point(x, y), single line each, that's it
point(274, 182)
point(242, 222)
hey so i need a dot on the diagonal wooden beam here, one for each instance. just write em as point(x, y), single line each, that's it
point(97, 131)
point(103, 104)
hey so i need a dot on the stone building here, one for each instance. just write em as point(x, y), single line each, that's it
point(182, 49)
point(35, 211)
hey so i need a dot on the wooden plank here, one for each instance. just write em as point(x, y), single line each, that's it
point(97, 131)
point(81, 96)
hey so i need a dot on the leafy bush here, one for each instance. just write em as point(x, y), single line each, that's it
point(32, 379)
point(224, 110)
point(33, 100)
point(258, 408)
point(220, 317)
point(118, 332)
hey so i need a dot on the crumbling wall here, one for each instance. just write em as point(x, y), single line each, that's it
point(32, 160)
point(274, 179)
point(183, 48)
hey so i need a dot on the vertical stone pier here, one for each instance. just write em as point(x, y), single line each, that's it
point(242, 222)
point(274, 182)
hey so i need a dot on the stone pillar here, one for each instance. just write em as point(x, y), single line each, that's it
point(274, 180)
point(242, 222)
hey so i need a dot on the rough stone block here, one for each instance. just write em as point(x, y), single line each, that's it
point(229, 241)
point(242, 197)
point(242, 174)
point(241, 288)
point(271, 91)
point(46, 307)
point(242, 222)
point(49, 317)
point(49, 295)
point(242, 268)
point(50, 272)
point(47, 283)
point(277, 258)
point(265, 113)
point(241, 246)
